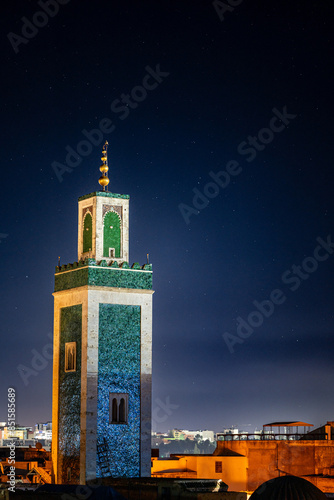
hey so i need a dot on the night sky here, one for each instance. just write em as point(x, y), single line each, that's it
point(239, 93)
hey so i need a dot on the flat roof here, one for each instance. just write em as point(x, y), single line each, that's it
point(288, 424)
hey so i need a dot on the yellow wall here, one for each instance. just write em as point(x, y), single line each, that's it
point(234, 469)
point(259, 462)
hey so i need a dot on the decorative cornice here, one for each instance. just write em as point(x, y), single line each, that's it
point(104, 194)
point(114, 275)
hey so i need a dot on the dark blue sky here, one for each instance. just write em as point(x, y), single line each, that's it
point(224, 81)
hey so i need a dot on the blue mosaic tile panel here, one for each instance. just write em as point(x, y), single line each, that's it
point(69, 397)
point(119, 372)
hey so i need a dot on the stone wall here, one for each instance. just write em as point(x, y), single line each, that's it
point(266, 459)
point(69, 398)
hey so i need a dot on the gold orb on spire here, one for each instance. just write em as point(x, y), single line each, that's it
point(104, 179)
point(104, 168)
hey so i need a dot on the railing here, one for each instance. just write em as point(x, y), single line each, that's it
point(272, 437)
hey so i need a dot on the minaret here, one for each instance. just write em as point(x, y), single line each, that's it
point(102, 348)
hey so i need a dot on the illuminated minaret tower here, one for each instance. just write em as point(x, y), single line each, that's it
point(102, 348)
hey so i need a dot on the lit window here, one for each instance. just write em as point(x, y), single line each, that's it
point(70, 356)
point(118, 408)
point(218, 467)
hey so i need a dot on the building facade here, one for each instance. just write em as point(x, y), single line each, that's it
point(246, 463)
point(102, 351)
point(268, 458)
point(43, 430)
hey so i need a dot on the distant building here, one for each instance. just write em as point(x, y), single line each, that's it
point(203, 435)
point(232, 430)
point(176, 434)
point(43, 431)
point(181, 435)
point(20, 433)
point(2, 426)
point(158, 438)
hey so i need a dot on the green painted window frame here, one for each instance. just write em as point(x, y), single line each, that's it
point(112, 237)
point(87, 233)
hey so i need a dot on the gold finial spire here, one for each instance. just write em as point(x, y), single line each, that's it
point(104, 179)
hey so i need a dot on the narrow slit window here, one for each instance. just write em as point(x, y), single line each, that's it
point(218, 467)
point(118, 408)
point(114, 410)
point(122, 411)
point(70, 356)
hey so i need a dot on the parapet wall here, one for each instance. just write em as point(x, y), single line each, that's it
point(100, 273)
point(268, 459)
